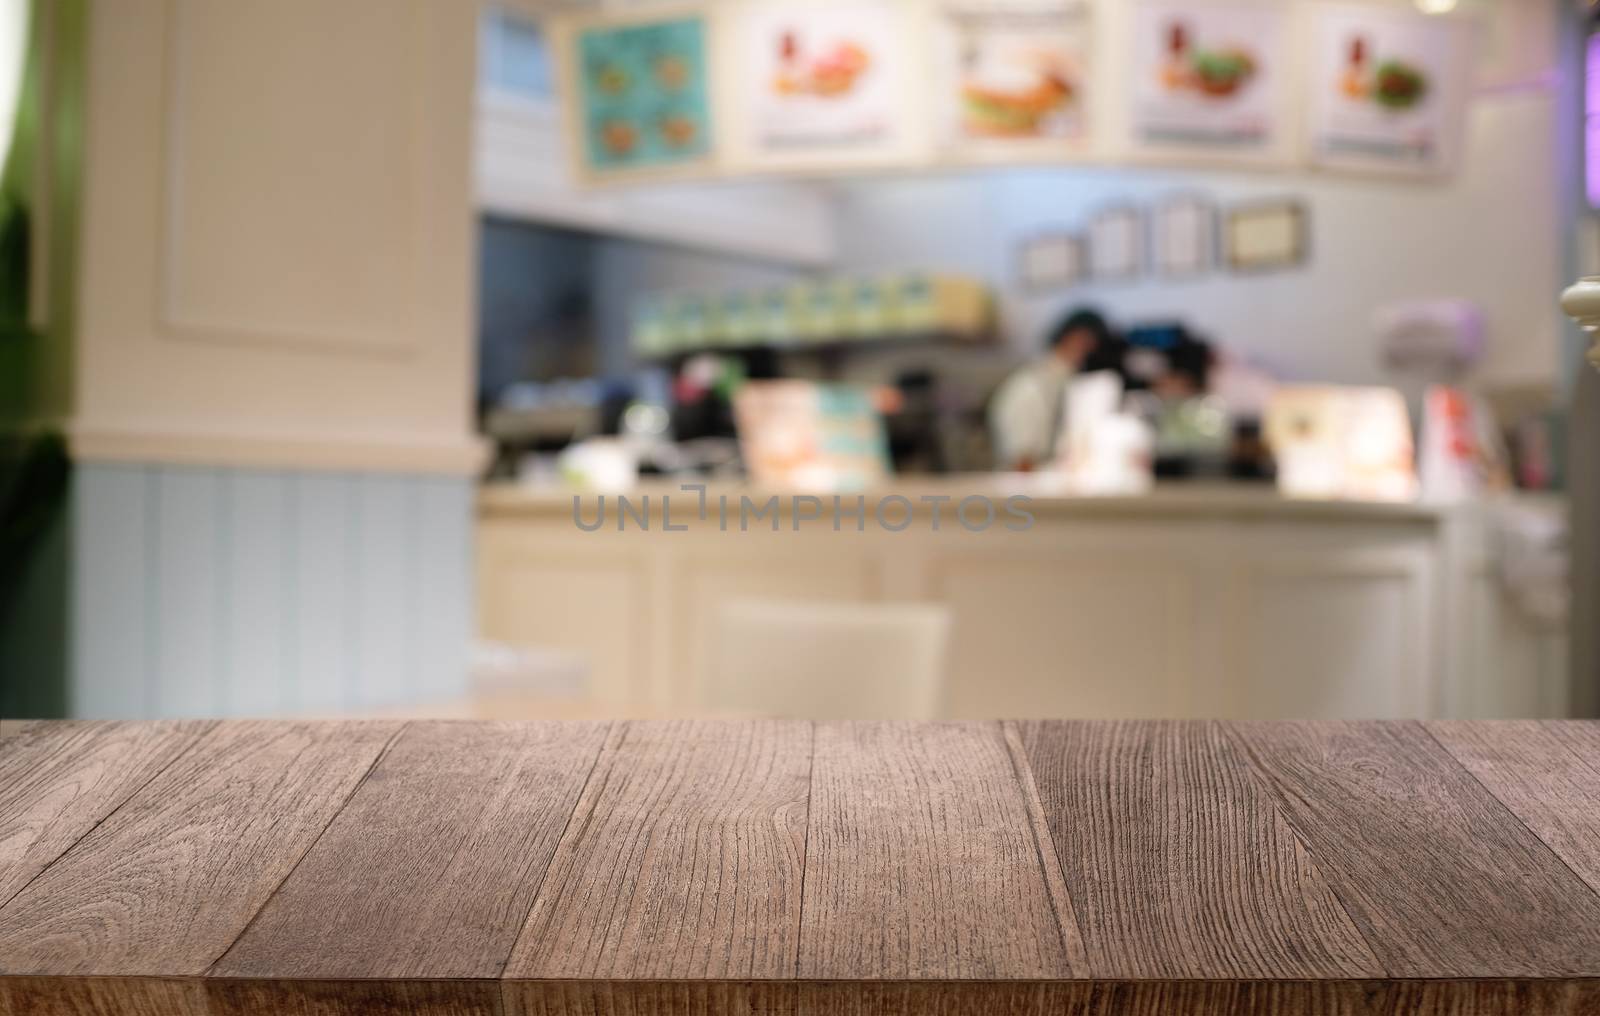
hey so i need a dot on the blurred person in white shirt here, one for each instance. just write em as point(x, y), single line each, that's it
point(1026, 411)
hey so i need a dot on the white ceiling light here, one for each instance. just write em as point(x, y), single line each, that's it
point(1436, 6)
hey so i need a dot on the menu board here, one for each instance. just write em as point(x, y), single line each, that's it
point(1389, 88)
point(822, 82)
point(1014, 76)
point(1207, 77)
point(642, 94)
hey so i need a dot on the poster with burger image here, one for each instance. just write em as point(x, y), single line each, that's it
point(641, 93)
point(1390, 88)
point(1014, 77)
point(1207, 78)
point(819, 84)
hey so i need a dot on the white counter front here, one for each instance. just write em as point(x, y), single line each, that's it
point(1225, 601)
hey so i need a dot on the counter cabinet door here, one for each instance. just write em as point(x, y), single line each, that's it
point(1338, 632)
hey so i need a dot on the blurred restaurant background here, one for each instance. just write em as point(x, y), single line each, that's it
point(904, 358)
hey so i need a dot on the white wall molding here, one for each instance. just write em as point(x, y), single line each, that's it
point(95, 442)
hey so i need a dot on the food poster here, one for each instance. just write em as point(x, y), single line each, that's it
point(643, 95)
point(822, 82)
point(1013, 75)
point(1208, 77)
point(1388, 88)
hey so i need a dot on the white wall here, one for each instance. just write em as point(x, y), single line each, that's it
point(1491, 234)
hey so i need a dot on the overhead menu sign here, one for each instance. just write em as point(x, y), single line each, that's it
point(1208, 78)
point(1013, 78)
point(1389, 88)
point(822, 84)
point(640, 99)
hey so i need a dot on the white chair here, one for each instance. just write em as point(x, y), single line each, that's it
point(829, 661)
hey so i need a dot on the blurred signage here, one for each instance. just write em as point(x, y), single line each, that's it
point(1388, 88)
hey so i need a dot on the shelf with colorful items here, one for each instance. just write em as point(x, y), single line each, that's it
point(825, 315)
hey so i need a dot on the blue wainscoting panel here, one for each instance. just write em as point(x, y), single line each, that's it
point(233, 592)
point(111, 631)
point(321, 599)
point(444, 564)
point(384, 586)
point(256, 624)
point(189, 554)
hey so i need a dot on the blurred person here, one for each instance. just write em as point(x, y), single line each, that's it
point(1026, 411)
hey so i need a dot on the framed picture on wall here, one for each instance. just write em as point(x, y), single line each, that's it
point(1051, 262)
point(821, 85)
point(1209, 80)
point(1184, 234)
point(1012, 80)
point(1390, 88)
point(1116, 244)
point(1268, 236)
point(638, 93)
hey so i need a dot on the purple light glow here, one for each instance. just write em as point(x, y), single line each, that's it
point(1591, 120)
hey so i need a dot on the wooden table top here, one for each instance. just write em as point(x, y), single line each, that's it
point(1072, 868)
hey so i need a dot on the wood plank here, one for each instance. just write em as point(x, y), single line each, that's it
point(230, 997)
point(1546, 773)
point(1439, 877)
point(922, 860)
point(58, 780)
point(1491, 997)
point(431, 868)
point(167, 883)
point(1210, 998)
point(1177, 862)
point(683, 859)
point(929, 998)
point(102, 996)
point(650, 998)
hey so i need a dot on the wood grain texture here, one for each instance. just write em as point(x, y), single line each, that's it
point(682, 860)
point(921, 860)
point(167, 883)
point(102, 996)
point(1546, 774)
point(431, 868)
point(279, 997)
point(650, 998)
point(1484, 998)
point(1209, 998)
point(790, 869)
point(58, 780)
point(1178, 863)
point(927, 998)
point(1441, 880)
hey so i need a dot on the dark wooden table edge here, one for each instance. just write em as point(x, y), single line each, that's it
point(200, 995)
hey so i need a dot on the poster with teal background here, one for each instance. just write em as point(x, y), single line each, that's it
point(644, 99)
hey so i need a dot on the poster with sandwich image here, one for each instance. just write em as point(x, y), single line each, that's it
point(1013, 77)
point(1209, 78)
point(1389, 88)
point(639, 95)
point(821, 84)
